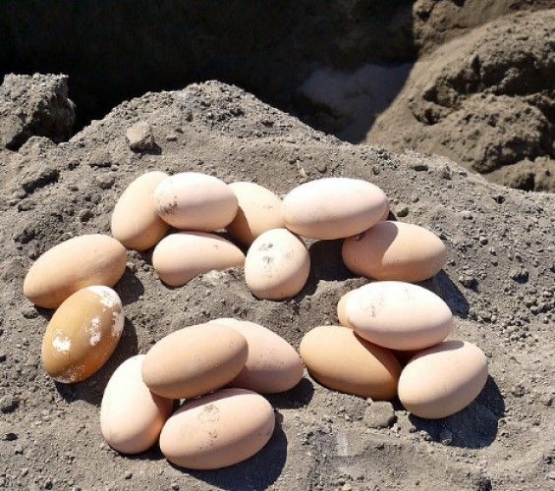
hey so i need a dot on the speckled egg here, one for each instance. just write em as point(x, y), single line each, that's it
point(82, 334)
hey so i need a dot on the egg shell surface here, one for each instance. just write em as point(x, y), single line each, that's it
point(72, 265)
point(82, 334)
point(179, 257)
point(333, 207)
point(341, 314)
point(399, 315)
point(194, 360)
point(277, 265)
point(195, 201)
point(273, 365)
point(395, 251)
point(135, 222)
point(337, 358)
point(132, 417)
point(444, 379)
point(259, 210)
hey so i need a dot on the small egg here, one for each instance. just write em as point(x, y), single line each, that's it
point(74, 264)
point(132, 417)
point(82, 334)
point(341, 314)
point(444, 379)
point(277, 265)
point(135, 222)
point(195, 201)
point(194, 360)
point(337, 358)
point(395, 251)
point(179, 257)
point(218, 430)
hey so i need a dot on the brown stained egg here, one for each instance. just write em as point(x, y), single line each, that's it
point(273, 365)
point(341, 314)
point(74, 264)
point(179, 257)
point(82, 334)
point(195, 201)
point(277, 265)
point(218, 430)
point(398, 315)
point(444, 379)
point(333, 208)
point(395, 251)
point(337, 358)
point(135, 222)
point(132, 417)
point(259, 211)
point(194, 360)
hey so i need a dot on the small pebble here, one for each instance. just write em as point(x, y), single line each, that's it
point(379, 415)
point(139, 137)
point(8, 404)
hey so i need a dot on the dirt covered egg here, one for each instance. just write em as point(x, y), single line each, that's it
point(82, 334)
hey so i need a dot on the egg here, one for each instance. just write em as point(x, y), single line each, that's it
point(135, 222)
point(337, 358)
point(277, 265)
point(82, 334)
point(179, 257)
point(132, 417)
point(341, 314)
point(218, 430)
point(333, 208)
point(194, 360)
point(259, 211)
point(74, 264)
point(395, 251)
point(195, 201)
point(444, 379)
point(398, 315)
point(272, 366)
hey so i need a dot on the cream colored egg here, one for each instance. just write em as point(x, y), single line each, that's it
point(74, 264)
point(82, 334)
point(179, 257)
point(333, 208)
point(395, 251)
point(273, 365)
point(337, 358)
point(259, 211)
point(444, 379)
point(132, 417)
point(399, 315)
point(195, 201)
point(194, 360)
point(221, 429)
point(341, 314)
point(135, 222)
point(277, 265)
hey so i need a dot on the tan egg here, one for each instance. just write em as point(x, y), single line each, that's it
point(277, 265)
point(399, 315)
point(385, 214)
point(333, 208)
point(179, 257)
point(259, 211)
point(221, 429)
point(135, 222)
point(195, 201)
point(273, 365)
point(74, 264)
point(444, 379)
point(337, 358)
point(341, 314)
point(82, 334)
point(395, 251)
point(132, 417)
point(194, 361)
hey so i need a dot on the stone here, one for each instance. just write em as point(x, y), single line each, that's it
point(379, 415)
point(140, 137)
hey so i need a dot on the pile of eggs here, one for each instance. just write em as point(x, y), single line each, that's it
point(390, 341)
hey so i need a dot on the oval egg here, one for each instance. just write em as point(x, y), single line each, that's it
point(341, 314)
point(132, 417)
point(82, 334)
point(337, 358)
point(74, 264)
point(222, 429)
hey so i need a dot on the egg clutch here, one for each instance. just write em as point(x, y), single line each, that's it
point(390, 339)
